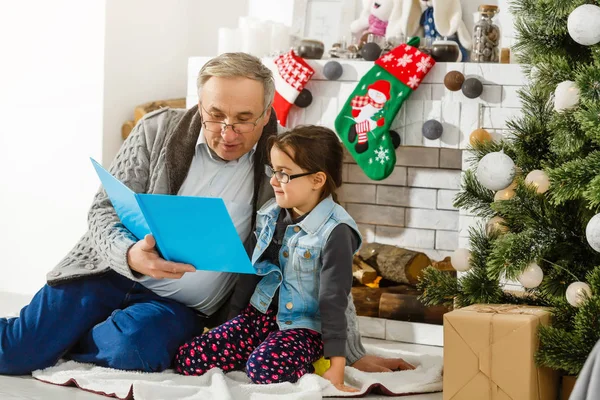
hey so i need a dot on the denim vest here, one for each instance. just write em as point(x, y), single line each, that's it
point(300, 261)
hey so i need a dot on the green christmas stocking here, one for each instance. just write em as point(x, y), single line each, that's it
point(364, 122)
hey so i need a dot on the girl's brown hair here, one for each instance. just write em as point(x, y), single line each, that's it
point(315, 148)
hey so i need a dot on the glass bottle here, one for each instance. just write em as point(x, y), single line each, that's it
point(486, 36)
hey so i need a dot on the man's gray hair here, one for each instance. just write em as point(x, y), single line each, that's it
point(233, 65)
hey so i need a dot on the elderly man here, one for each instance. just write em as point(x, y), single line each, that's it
point(113, 301)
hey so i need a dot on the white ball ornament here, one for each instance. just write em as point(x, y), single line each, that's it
point(461, 260)
point(577, 293)
point(583, 24)
point(566, 96)
point(532, 276)
point(496, 171)
point(592, 232)
point(539, 179)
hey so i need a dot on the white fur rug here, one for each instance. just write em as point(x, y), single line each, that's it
point(215, 385)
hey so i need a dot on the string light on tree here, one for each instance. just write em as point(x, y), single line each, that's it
point(539, 179)
point(583, 24)
point(461, 260)
point(496, 224)
point(592, 232)
point(496, 171)
point(505, 194)
point(578, 293)
point(532, 276)
point(566, 96)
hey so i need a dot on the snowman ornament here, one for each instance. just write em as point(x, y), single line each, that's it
point(367, 112)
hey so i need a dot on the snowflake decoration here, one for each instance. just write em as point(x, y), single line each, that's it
point(400, 94)
point(371, 160)
point(413, 82)
point(363, 87)
point(423, 65)
point(377, 74)
point(387, 58)
point(382, 155)
point(405, 60)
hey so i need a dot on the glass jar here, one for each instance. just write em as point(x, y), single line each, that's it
point(486, 36)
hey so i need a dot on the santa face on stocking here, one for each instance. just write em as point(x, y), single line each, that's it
point(367, 112)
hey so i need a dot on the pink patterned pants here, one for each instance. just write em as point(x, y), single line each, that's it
point(252, 341)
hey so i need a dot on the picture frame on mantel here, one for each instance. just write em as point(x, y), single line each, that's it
point(329, 20)
point(325, 20)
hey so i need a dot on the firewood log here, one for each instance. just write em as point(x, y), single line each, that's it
point(395, 263)
point(407, 307)
point(366, 299)
point(444, 265)
point(362, 271)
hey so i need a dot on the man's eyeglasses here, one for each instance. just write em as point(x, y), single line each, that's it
point(238, 127)
point(283, 177)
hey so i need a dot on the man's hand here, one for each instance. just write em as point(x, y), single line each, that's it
point(142, 257)
point(370, 363)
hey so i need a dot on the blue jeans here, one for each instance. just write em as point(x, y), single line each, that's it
point(107, 320)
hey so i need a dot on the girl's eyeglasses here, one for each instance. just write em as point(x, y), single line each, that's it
point(283, 177)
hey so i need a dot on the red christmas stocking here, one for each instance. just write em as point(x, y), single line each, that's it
point(291, 74)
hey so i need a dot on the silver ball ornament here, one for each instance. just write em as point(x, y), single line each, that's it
point(583, 24)
point(592, 232)
point(496, 171)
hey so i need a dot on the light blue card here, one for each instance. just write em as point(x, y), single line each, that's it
point(191, 230)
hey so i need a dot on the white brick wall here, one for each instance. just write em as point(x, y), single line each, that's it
point(413, 207)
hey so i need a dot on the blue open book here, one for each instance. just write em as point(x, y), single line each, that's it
point(191, 230)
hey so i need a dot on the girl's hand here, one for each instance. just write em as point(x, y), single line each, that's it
point(335, 375)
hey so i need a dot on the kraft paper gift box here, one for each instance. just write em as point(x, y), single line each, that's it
point(489, 354)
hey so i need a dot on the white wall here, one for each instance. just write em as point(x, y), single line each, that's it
point(51, 78)
point(71, 74)
point(148, 43)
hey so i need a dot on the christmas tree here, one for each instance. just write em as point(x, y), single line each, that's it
point(539, 188)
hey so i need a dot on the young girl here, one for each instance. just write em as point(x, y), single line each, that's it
point(305, 243)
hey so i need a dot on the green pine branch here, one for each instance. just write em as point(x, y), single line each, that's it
point(438, 287)
point(570, 180)
point(473, 196)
